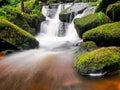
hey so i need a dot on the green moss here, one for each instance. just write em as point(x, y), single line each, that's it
point(28, 22)
point(64, 10)
point(98, 60)
point(90, 21)
point(113, 11)
point(92, 3)
point(88, 46)
point(105, 35)
point(29, 6)
point(7, 23)
point(16, 36)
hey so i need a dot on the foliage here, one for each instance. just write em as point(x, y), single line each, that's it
point(100, 18)
point(99, 60)
point(104, 35)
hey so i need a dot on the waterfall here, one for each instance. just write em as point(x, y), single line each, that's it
point(71, 31)
point(53, 24)
point(55, 34)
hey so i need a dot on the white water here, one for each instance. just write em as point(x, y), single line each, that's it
point(71, 31)
point(48, 36)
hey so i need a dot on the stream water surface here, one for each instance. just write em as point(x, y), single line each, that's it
point(51, 66)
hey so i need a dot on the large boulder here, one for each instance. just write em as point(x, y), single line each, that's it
point(67, 15)
point(113, 11)
point(102, 4)
point(104, 35)
point(29, 22)
point(90, 21)
point(102, 60)
point(16, 36)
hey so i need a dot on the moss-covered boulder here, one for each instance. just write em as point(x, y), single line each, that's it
point(113, 11)
point(102, 4)
point(98, 61)
point(67, 15)
point(90, 21)
point(88, 46)
point(29, 22)
point(104, 35)
point(16, 36)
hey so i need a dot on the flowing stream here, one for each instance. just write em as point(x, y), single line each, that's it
point(51, 66)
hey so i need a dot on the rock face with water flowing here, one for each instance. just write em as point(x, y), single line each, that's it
point(98, 61)
point(90, 21)
point(16, 36)
point(69, 13)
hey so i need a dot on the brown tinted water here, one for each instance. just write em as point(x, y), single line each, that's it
point(50, 71)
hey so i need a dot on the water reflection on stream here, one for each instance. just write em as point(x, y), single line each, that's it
point(41, 70)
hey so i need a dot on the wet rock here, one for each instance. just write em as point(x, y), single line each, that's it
point(113, 11)
point(6, 46)
point(98, 61)
point(90, 21)
point(102, 5)
point(69, 13)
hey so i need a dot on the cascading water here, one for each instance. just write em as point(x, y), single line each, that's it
point(71, 32)
point(46, 69)
point(48, 36)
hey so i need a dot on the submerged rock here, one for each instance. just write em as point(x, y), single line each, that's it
point(69, 13)
point(104, 35)
point(98, 61)
point(16, 36)
point(90, 21)
point(113, 11)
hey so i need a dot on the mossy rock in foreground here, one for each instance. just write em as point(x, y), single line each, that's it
point(90, 21)
point(29, 22)
point(113, 11)
point(104, 35)
point(16, 36)
point(106, 59)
